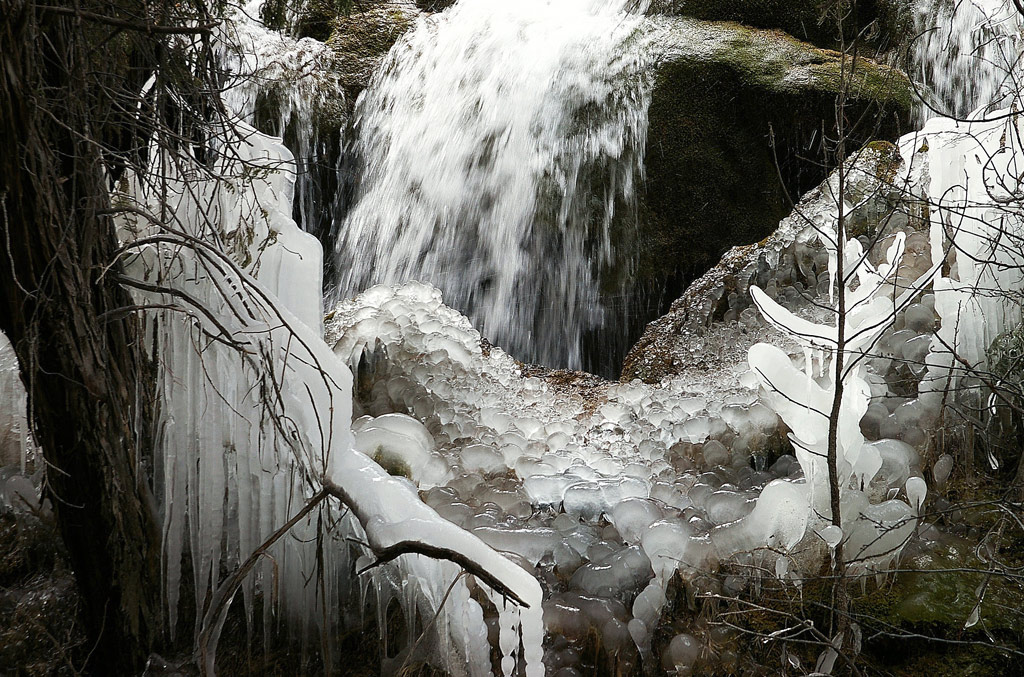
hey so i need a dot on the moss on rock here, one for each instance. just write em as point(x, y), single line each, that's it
point(735, 128)
point(361, 39)
point(883, 23)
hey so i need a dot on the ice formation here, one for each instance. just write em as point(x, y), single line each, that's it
point(294, 81)
point(538, 462)
point(975, 173)
point(482, 180)
point(804, 400)
point(256, 415)
point(15, 436)
point(586, 499)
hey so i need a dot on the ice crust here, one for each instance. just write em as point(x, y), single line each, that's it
point(16, 445)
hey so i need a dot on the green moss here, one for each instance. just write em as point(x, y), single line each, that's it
point(318, 17)
point(370, 33)
point(734, 135)
point(394, 465)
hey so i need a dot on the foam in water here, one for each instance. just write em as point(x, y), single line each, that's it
point(499, 144)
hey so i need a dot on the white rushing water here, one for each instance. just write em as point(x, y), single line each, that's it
point(500, 143)
point(964, 52)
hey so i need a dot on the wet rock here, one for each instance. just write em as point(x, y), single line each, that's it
point(711, 326)
point(734, 135)
point(882, 24)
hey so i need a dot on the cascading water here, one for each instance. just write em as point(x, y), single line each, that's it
point(500, 144)
point(964, 52)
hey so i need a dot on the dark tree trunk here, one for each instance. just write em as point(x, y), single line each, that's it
point(83, 366)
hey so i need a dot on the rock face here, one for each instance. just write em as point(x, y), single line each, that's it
point(360, 40)
point(734, 137)
point(882, 23)
point(735, 129)
point(713, 324)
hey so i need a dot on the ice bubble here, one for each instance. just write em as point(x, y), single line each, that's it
point(615, 412)
point(567, 560)
point(502, 492)
point(615, 635)
point(715, 453)
point(728, 506)
point(919, 318)
point(779, 519)
point(670, 495)
point(633, 516)
point(482, 458)
point(669, 544)
point(601, 549)
point(942, 469)
point(638, 631)
point(832, 535)
point(582, 538)
point(564, 522)
point(584, 499)
point(871, 422)
point(917, 490)
point(897, 459)
point(617, 575)
point(879, 536)
point(683, 651)
point(530, 544)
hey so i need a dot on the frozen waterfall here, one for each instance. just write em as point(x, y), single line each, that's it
point(499, 146)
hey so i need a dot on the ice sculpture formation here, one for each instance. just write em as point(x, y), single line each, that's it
point(597, 494)
point(256, 413)
point(537, 462)
point(267, 72)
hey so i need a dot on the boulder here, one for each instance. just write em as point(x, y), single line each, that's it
point(735, 137)
point(882, 24)
point(361, 38)
point(705, 335)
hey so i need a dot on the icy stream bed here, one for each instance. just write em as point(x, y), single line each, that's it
point(608, 492)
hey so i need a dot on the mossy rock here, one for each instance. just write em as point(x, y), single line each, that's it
point(361, 38)
point(392, 463)
point(318, 16)
point(934, 599)
point(882, 24)
point(734, 138)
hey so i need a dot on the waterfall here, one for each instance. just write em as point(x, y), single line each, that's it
point(964, 52)
point(498, 149)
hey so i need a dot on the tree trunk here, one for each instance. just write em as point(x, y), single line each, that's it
point(84, 369)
